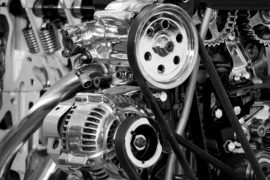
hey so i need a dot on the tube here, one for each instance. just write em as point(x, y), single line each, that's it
point(19, 133)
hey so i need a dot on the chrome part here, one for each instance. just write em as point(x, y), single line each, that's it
point(20, 133)
point(103, 37)
point(257, 124)
point(241, 63)
point(48, 39)
point(168, 58)
point(105, 71)
point(217, 35)
point(86, 135)
point(161, 96)
point(259, 27)
point(86, 70)
point(39, 165)
point(141, 138)
point(31, 40)
point(166, 34)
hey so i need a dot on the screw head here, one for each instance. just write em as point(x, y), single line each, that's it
point(218, 113)
point(140, 142)
point(237, 110)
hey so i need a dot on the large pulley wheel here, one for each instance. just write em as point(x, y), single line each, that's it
point(163, 45)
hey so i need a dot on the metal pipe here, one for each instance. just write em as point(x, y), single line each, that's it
point(19, 133)
point(39, 165)
point(189, 95)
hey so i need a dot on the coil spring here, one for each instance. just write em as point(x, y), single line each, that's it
point(31, 40)
point(48, 39)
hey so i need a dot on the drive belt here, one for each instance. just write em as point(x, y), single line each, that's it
point(166, 130)
point(227, 106)
point(121, 152)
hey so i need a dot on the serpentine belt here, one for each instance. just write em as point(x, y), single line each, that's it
point(227, 106)
point(121, 152)
point(166, 130)
point(124, 160)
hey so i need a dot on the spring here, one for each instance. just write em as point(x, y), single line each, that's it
point(31, 40)
point(48, 39)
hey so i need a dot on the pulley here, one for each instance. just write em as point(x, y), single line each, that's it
point(163, 42)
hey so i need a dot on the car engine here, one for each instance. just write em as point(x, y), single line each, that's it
point(134, 89)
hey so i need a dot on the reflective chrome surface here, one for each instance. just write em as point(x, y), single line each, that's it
point(39, 165)
point(166, 46)
point(106, 36)
point(241, 62)
point(81, 134)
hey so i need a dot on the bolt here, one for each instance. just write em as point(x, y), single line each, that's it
point(237, 110)
point(231, 146)
point(140, 141)
point(232, 36)
point(236, 78)
point(246, 75)
point(218, 113)
point(163, 96)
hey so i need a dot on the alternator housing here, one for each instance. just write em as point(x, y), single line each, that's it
point(81, 134)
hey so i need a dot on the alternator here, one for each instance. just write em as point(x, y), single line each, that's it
point(166, 40)
point(81, 136)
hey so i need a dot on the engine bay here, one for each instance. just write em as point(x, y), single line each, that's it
point(134, 89)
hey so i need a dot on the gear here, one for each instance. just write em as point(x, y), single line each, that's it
point(218, 32)
point(258, 26)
